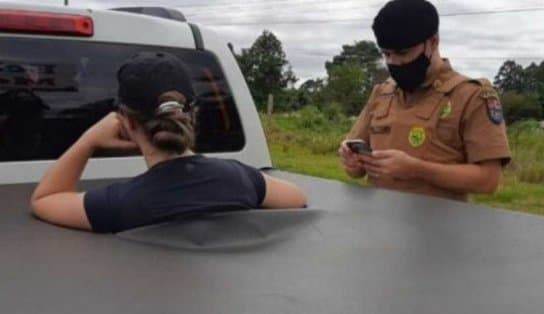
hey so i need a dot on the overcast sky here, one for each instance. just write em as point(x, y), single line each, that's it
point(312, 31)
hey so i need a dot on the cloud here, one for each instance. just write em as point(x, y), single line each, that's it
point(476, 44)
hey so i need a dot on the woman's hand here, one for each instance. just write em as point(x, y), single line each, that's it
point(108, 133)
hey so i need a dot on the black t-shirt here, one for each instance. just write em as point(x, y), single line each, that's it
point(173, 188)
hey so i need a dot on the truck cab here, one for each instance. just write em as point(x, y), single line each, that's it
point(55, 83)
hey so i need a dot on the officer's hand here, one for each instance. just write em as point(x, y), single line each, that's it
point(108, 133)
point(391, 164)
point(352, 163)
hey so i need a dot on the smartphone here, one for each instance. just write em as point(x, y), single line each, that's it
point(359, 147)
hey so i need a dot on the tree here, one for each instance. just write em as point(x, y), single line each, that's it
point(266, 68)
point(366, 55)
point(511, 77)
point(312, 86)
point(530, 75)
point(310, 92)
point(522, 90)
point(363, 53)
point(536, 77)
point(291, 99)
point(346, 86)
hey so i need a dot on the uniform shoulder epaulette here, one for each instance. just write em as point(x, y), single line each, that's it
point(487, 89)
point(481, 82)
point(387, 87)
point(449, 85)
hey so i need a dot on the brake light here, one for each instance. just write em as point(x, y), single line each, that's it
point(18, 21)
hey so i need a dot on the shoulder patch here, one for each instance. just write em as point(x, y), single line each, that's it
point(494, 110)
point(492, 101)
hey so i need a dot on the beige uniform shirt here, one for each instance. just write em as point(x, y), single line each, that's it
point(453, 120)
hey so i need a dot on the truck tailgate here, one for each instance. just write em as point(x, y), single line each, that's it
point(372, 251)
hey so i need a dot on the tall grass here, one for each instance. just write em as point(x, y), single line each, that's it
point(307, 142)
point(309, 128)
point(527, 144)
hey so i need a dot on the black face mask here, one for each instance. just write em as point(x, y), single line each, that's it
point(411, 75)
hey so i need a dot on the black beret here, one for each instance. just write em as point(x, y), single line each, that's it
point(402, 24)
point(147, 75)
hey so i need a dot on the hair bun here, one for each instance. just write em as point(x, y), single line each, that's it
point(171, 129)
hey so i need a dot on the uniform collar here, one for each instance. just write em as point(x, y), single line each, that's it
point(438, 81)
point(440, 75)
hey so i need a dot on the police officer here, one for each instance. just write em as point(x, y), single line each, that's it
point(432, 130)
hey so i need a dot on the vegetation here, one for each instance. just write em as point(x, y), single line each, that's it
point(522, 90)
point(266, 68)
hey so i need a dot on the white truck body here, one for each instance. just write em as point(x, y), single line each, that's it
point(137, 29)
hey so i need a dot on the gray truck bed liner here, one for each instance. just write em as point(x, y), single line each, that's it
point(372, 251)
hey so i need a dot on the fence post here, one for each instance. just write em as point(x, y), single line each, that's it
point(270, 105)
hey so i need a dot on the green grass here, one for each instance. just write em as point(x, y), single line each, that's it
point(517, 196)
point(309, 147)
point(302, 160)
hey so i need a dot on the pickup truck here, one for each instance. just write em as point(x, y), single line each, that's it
point(354, 250)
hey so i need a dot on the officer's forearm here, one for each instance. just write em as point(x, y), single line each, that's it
point(465, 178)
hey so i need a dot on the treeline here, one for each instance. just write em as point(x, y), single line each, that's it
point(522, 90)
point(352, 74)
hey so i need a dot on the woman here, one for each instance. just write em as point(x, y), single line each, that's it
point(154, 116)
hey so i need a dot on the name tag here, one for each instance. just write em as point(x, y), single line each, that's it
point(380, 129)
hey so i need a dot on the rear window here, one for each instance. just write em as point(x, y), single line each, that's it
point(51, 91)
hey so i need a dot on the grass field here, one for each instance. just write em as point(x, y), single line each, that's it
point(306, 142)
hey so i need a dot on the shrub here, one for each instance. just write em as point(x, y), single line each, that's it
point(520, 106)
point(527, 143)
point(311, 119)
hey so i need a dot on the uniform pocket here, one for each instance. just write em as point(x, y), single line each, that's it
point(380, 134)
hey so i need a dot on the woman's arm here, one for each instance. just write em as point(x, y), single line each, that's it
point(56, 199)
point(282, 194)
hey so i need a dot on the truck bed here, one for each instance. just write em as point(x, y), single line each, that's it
point(372, 251)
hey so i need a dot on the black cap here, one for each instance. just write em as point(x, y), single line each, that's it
point(147, 75)
point(402, 24)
